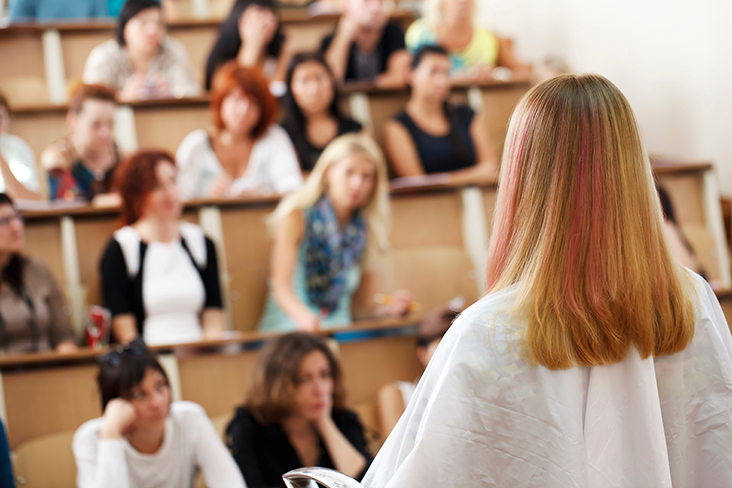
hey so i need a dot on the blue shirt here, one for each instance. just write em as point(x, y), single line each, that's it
point(30, 10)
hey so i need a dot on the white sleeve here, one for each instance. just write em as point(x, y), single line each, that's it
point(285, 172)
point(213, 458)
point(183, 82)
point(188, 158)
point(99, 462)
point(96, 69)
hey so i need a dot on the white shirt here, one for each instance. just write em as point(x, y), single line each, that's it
point(482, 417)
point(190, 443)
point(272, 167)
point(21, 160)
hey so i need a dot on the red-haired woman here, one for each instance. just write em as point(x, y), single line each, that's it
point(245, 151)
point(159, 273)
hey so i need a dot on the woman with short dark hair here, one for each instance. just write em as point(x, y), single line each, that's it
point(142, 62)
point(295, 415)
point(144, 439)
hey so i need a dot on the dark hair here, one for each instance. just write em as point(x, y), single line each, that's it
point(123, 369)
point(249, 80)
point(293, 119)
point(229, 41)
point(271, 395)
point(135, 178)
point(435, 325)
point(448, 109)
point(666, 206)
point(83, 92)
point(129, 10)
point(12, 273)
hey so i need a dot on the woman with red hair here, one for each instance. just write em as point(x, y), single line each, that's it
point(245, 151)
point(159, 273)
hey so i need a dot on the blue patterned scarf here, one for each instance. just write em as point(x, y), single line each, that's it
point(329, 251)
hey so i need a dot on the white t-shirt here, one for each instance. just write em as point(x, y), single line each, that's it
point(19, 156)
point(190, 443)
point(272, 167)
point(481, 416)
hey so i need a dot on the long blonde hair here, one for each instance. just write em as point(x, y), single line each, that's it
point(376, 211)
point(579, 227)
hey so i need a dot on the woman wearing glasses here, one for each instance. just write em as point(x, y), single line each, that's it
point(31, 305)
point(143, 439)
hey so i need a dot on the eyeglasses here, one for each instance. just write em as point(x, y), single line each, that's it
point(5, 221)
point(134, 348)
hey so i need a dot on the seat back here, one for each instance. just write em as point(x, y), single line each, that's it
point(45, 462)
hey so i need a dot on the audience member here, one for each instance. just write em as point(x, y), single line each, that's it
point(18, 171)
point(312, 117)
point(431, 136)
point(595, 359)
point(252, 35)
point(245, 151)
point(366, 45)
point(32, 315)
point(82, 164)
point(474, 51)
point(142, 62)
point(159, 273)
point(143, 439)
point(677, 241)
point(170, 7)
point(393, 398)
point(295, 415)
point(326, 237)
point(35, 10)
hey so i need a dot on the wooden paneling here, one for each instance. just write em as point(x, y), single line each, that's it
point(23, 75)
point(498, 105)
point(76, 46)
point(431, 219)
point(40, 129)
point(198, 41)
point(43, 241)
point(92, 237)
point(160, 126)
point(384, 106)
point(49, 401)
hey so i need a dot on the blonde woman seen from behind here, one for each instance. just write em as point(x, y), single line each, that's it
point(595, 360)
point(326, 238)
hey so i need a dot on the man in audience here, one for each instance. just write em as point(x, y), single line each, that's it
point(82, 164)
point(33, 10)
point(367, 46)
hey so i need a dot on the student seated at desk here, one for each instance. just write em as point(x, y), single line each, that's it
point(252, 35)
point(432, 136)
point(295, 415)
point(18, 171)
point(32, 317)
point(142, 62)
point(327, 236)
point(82, 164)
point(312, 118)
point(245, 152)
point(159, 273)
point(393, 398)
point(474, 51)
point(144, 439)
point(367, 46)
point(47, 10)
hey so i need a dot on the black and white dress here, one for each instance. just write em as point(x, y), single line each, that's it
point(166, 286)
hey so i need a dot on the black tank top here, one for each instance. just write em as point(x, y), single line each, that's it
point(441, 154)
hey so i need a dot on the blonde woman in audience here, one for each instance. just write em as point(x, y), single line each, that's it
point(159, 273)
point(431, 135)
point(595, 359)
point(142, 62)
point(82, 164)
point(245, 152)
point(18, 171)
point(252, 35)
point(144, 439)
point(327, 237)
point(295, 415)
point(366, 45)
point(32, 317)
point(392, 399)
point(474, 51)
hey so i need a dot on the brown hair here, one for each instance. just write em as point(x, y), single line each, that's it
point(271, 396)
point(233, 75)
point(135, 178)
point(83, 92)
point(4, 103)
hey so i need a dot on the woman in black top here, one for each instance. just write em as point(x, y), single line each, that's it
point(431, 136)
point(294, 415)
point(252, 35)
point(311, 115)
